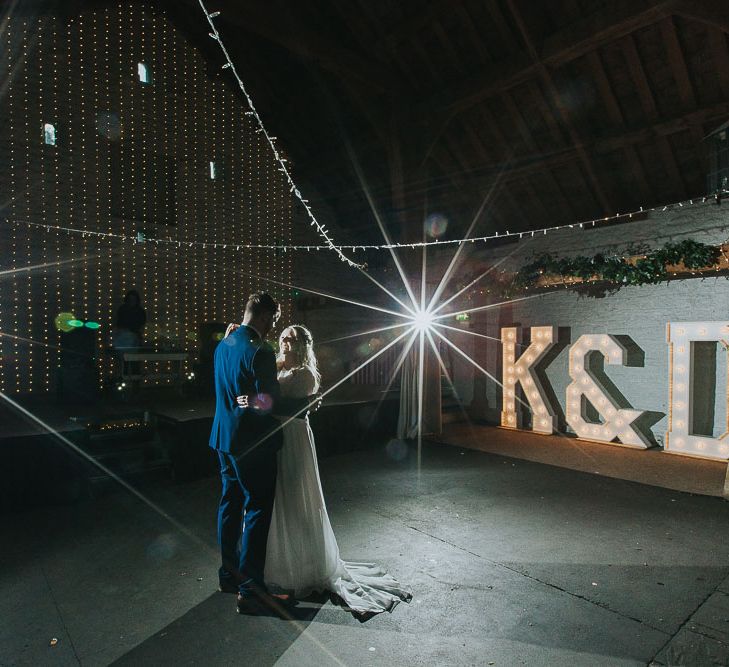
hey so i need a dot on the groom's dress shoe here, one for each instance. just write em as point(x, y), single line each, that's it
point(263, 604)
point(228, 586)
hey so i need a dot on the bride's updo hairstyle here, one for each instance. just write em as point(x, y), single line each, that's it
point(303, 349)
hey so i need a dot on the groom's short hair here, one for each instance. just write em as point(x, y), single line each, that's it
point(261, 303)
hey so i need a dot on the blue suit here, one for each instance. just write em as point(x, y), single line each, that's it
point(247, 443)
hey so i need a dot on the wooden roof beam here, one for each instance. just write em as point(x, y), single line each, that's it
point(548, 81)
point(596, 30)
point(711, 12)
point(618, 19)
point(618, 141)
point(310, 45)
point(720, 54)
point(650, 109)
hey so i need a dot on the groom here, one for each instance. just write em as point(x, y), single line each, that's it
point(247, 441)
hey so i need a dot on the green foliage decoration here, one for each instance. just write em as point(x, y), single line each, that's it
point(648, 269)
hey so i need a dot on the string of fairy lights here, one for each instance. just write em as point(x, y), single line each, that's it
point(280, 159)
point(285, 247)
point(89, 148)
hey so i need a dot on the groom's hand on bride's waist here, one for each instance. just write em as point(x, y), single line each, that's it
point(315, 401)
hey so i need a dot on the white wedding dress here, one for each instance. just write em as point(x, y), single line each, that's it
point(302, 555)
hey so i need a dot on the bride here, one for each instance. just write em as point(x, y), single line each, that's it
point(302, 555)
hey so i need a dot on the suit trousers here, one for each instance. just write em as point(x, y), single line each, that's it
point(244, 515)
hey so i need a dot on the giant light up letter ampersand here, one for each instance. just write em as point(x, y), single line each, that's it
point(617, 422)
point(681, 337)
point(521, 371)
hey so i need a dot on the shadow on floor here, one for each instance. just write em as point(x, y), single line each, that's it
point(212, 632)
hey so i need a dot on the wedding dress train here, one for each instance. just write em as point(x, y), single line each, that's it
point(302, 555)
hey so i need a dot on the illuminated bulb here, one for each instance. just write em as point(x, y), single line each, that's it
point(520, 370)
point(680, 423)
point(700, 445)
point(680, 387)
point(529, 382)
point(681, 349)
point(533, 395)
point(616, 353)
point(510, 335)
point(422, 320)
point(510, 371)
point(679, 405)
point(680, 332)
point(539, 347)
point(544, 422)
point(619, 422)
point(584, 381)
point(702, 332)
point(680, 369)
point(678, 442)
point(510, 393)
point(510, 358)
point(588, 341)
point(540, 334)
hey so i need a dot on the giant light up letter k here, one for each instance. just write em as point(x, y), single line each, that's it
point(522, 371)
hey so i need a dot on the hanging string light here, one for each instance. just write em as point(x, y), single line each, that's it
point(586, 224)
point(323, 231)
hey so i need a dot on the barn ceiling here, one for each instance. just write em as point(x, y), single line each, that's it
point(533, 113)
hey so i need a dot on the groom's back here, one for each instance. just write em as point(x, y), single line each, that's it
point(234, 428)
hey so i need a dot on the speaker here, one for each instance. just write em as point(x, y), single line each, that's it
point(210, 334)
point(78, 379)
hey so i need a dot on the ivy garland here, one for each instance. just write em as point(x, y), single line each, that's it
point(649, 269)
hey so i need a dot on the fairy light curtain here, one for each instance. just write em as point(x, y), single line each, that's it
point(112, 125)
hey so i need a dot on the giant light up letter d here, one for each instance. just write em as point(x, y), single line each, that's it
point(682, 339)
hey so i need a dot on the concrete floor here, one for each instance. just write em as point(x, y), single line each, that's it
point(511, 563)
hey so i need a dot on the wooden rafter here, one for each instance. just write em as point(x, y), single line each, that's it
point(615, 115)
point(711, 12)
point(720, 54)
point(306, 43)
point(592, 32)
point(648, 103)
point(617, 141)
point(547, 113)
point(409, 27)
point(616, 20)
point(548, 81)
point(680, 72)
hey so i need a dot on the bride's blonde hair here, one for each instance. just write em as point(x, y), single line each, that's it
point(303, 348)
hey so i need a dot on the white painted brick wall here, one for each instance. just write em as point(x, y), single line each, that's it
point(638, 312)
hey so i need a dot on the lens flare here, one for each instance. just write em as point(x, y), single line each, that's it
point(435, 225)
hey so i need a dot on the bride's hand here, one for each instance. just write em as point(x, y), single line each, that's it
point(242, 401)
point(231, 328)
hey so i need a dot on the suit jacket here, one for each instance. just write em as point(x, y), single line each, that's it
point(244, 364)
